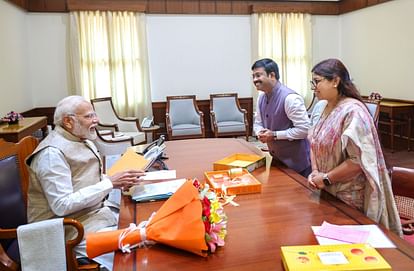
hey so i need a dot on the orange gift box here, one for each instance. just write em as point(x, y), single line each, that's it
point(233, 181)
point(177, 223)
point(240, 160)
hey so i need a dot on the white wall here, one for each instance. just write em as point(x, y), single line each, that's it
point(14, 93)
point(49, 59)
point(326, 38)
point(199, 55)
point(378, 48)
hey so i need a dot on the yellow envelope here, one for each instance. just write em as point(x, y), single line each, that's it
point(129, 160)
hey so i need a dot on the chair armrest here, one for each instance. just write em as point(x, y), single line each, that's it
point(106, 132)
point(213, 121)
point(168, 125)
point(129, 125)
point(8, 233)
point(203, 129)
point(112, 126)
point(128, 118)
point(71, 261)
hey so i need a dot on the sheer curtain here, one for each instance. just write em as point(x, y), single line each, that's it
point(109, 58)
point(285, 38)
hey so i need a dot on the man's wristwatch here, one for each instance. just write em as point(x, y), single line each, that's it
point(326, 180)
point(274, 135)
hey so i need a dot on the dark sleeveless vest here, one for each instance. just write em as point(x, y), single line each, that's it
point(295, 153)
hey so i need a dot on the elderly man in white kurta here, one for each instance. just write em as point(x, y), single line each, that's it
point(66, 177)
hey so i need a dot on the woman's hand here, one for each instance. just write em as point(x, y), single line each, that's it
point(315, 180)
point(126, 179)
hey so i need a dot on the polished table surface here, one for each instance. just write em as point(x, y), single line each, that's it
point(281, 215)
point(25, 127)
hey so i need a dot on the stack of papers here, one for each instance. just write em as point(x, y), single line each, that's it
point(156, 191)
point(329, 234)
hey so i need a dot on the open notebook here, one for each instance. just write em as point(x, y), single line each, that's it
point(156, 191)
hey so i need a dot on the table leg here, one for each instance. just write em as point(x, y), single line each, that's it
point(44, 131)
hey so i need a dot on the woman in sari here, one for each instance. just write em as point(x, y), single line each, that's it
point(346, 155)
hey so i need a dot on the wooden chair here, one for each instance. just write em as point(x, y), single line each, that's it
point(109, 119)
point(183, 118)
point(311, 105)
point(14, 181)
point(227, 117)
point(373, 103)
point(403, 189)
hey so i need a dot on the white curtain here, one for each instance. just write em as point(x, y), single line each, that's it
point(109, 58)
point(285, 38)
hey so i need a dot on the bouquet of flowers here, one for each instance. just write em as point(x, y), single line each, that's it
point(192, 219)
point(213, 216)
point(12, 117)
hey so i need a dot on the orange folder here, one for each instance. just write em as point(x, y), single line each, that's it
point(129, 160)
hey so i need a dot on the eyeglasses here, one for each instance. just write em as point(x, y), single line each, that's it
point(88, 116)
point(315, 82)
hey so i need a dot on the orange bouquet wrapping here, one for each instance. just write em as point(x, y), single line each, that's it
point(191, 219)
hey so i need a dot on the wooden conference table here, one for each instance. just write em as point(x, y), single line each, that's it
point(282, 214)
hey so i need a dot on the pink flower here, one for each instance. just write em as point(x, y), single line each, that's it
point(12, 116)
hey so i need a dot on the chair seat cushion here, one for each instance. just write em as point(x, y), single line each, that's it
point(186, 129)
point(231, 126)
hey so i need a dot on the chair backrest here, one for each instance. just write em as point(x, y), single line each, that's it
point(373, 109)
point(13, 189)
point(403, 189)
point(105, 110)
point(226, 107)
point(12, 206)
point(183, 110)
point(311, 105)
point(373, 103)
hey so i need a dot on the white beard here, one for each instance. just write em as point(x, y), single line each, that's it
point(84, 133)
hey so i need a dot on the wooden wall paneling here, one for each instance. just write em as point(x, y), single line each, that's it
point(46, 6)
point(197, 6)
point(224, 7)
point(157, 6)
point(375, 2)
point(19, 3)
point(207, 7)
point(351, 5)
point(174, 6)
point(191, 7)
point(319, 8)
point(240, 7)
point(107, 5)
